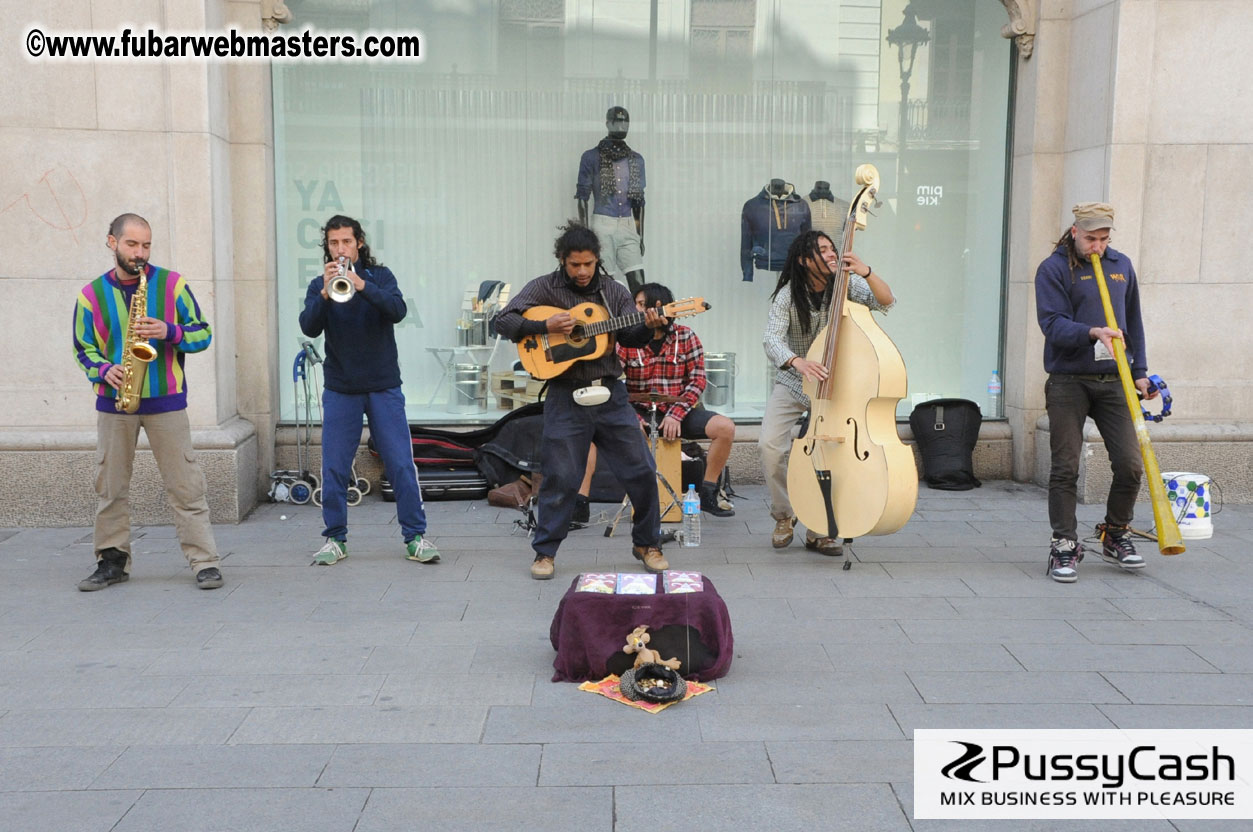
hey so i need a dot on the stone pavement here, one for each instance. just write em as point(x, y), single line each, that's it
point(380, 694)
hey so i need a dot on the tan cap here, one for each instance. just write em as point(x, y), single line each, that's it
point(1089, 216)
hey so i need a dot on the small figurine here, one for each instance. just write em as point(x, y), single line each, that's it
point(637, 643)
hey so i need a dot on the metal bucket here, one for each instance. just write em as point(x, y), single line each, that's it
point(472, 331)
point(720, 372)
point(469, 387)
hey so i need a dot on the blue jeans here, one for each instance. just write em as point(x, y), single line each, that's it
point(341, 435)
point(569, 429)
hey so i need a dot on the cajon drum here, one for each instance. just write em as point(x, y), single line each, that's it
point(669, 461)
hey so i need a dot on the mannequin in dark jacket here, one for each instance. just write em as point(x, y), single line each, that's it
point(769, 223)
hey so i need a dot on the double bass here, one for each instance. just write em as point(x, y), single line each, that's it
point(849, 475)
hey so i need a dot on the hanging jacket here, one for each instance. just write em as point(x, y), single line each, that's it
point(768, 225)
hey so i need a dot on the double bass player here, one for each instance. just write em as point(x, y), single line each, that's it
point(800, 309)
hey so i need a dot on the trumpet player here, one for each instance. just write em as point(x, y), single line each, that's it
point(111, 326)
point(1083, 381)
point(357, 303)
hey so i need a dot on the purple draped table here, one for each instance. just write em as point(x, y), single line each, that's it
point(590, 627)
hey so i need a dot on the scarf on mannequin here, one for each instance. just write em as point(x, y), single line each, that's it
point(613, 150)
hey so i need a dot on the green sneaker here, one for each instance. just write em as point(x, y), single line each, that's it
point(331, 553)
point(421, 550)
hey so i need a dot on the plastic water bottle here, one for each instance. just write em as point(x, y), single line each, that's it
point(994, 395)
point(691, 517)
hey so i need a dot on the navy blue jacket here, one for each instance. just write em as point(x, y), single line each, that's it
point(768, 225)
point(360, 334)
point(1068, 304)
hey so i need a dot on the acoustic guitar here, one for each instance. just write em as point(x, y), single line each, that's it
point(551, 354)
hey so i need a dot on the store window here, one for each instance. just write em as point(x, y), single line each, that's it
point(461, 168)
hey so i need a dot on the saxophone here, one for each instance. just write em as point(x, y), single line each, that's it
point(136, 353)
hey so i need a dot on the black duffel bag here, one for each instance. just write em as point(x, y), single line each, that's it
point(946, 431)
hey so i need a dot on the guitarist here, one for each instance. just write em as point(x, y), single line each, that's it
point(799, 309)
point(570, 428)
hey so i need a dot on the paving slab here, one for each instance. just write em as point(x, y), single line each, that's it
point(246, 691)
point(1009, 686)
point(587, 809)
point(215, 767)
point(119, 726)
point(602, 717)
point(671, 762)
point(383, 723)
point(784, 808)
point(432, 765)
point(830, 721)
point(1157, 688)
point(65, 811)
point(1108, 657)
point(213, 661)
point(847, 761)
point(62, 689)
point(53, 768)
point(274, 810)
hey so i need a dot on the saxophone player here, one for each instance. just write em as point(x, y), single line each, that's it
point(105, 326)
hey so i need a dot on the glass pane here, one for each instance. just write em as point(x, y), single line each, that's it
point(462, 167)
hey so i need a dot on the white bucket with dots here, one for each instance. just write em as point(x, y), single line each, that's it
point(1189, 496)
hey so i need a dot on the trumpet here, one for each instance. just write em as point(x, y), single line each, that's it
point(1169, 539)
point(341, 289)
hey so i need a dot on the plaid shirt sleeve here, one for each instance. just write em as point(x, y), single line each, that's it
point(690, 355)
point(859, 292)
point(775, 339)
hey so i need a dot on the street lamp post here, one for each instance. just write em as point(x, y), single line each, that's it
point(907, 38)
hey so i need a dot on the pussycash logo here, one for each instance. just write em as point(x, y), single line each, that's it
point(963, 766)
point(1144, 763)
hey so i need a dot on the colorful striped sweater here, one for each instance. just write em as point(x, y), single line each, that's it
point(100, 319)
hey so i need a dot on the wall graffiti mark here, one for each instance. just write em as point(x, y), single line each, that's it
point(67, 197)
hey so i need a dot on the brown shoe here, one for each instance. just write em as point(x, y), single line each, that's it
point(542, 568)
point(782, 537)
point(828, 546)
point(654, 560)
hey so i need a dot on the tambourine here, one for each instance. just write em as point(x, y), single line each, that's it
point(1156, 383)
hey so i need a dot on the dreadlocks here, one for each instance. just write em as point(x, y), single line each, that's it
point(795, 274)
point(1072, 253)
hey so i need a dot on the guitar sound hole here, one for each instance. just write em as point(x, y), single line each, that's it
point(576, 336)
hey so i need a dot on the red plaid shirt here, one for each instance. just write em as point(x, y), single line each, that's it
point(677, 370)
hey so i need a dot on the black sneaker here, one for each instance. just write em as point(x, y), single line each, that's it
point(110, 569)
point(1064, 557)
point(582, 512)
point(210, 578)
point(1116, 547)
point(709, 501)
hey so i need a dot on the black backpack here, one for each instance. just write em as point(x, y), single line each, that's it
point(946, 431)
